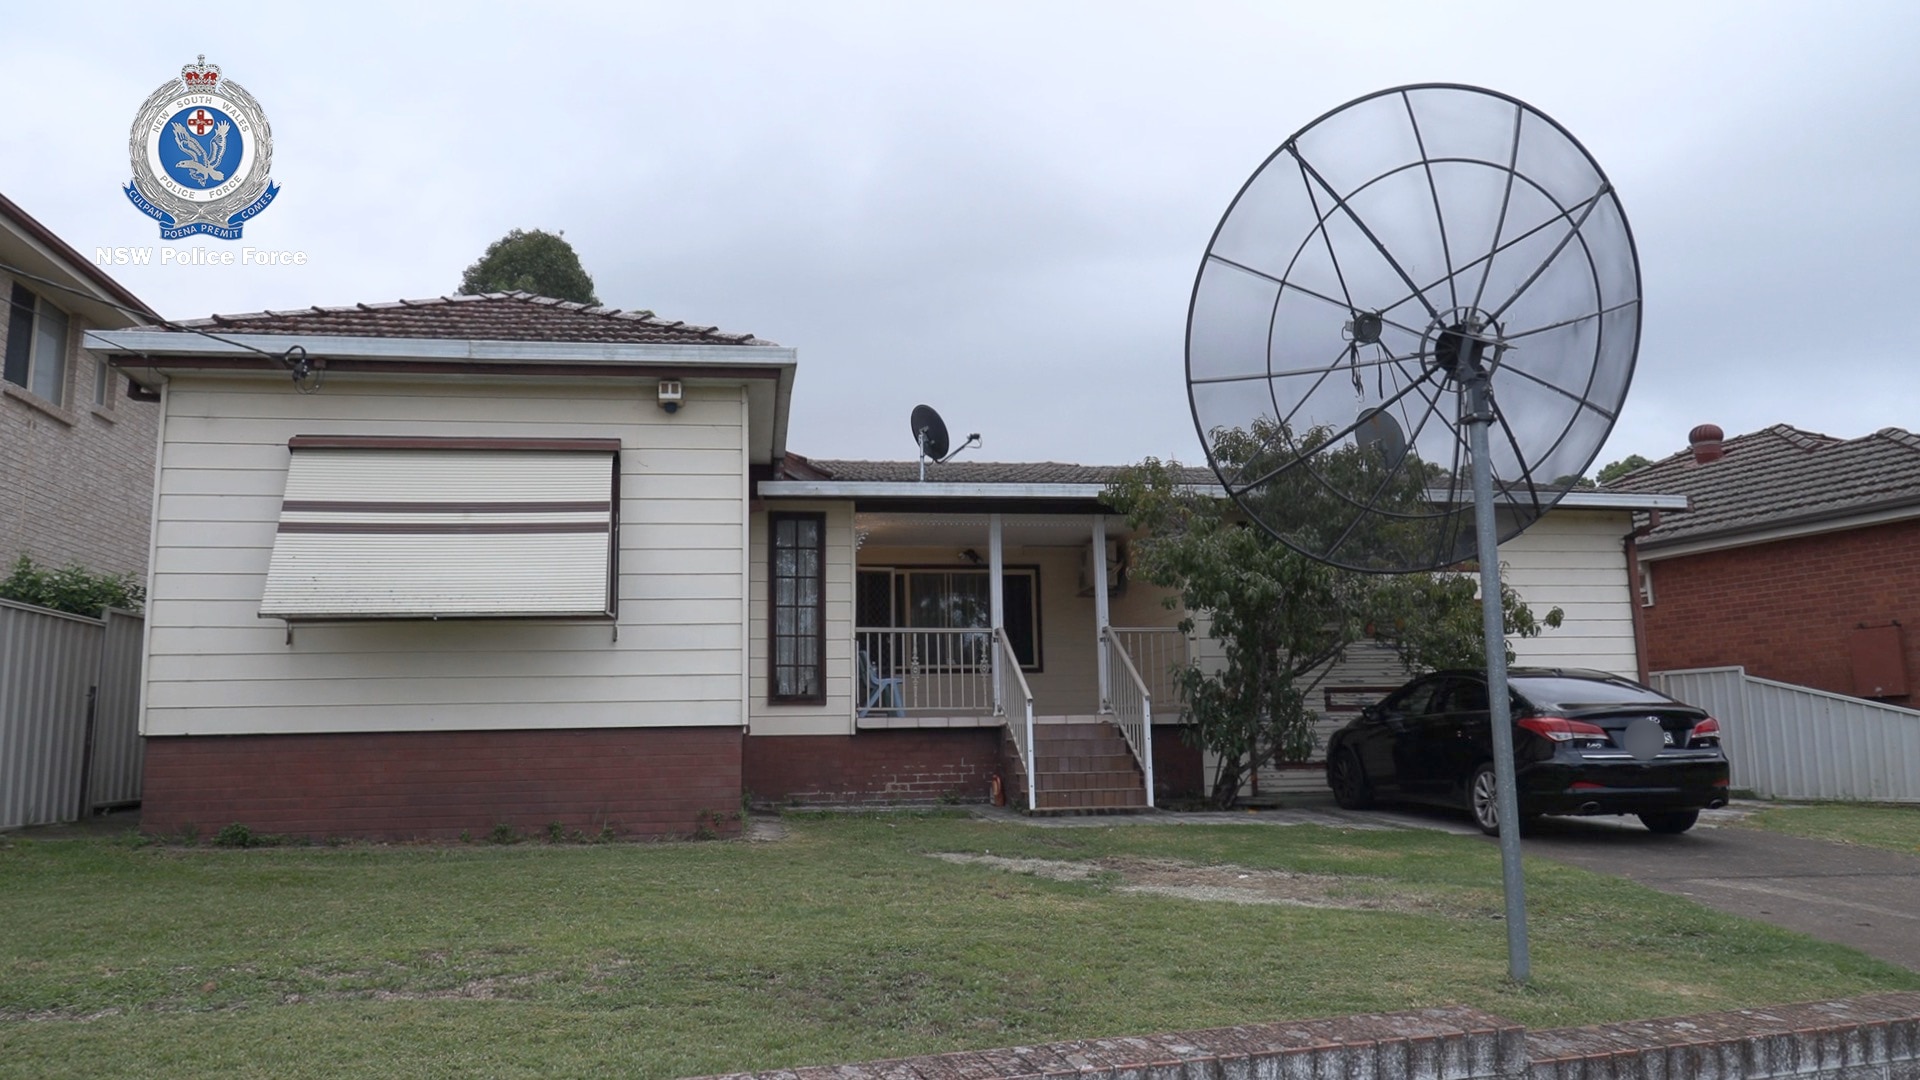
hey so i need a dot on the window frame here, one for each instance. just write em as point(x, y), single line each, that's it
point(902, 603)
point(774, 607)
point(34, 354)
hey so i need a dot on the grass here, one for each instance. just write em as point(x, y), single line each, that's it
point(842, 942)
point(1895, 827)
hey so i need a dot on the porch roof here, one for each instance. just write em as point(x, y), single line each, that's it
point(1039, 487)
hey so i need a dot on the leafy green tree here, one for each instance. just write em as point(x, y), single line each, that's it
point(1618, 469)
point(72, 589)
point(1282, 619)
point(532, 261)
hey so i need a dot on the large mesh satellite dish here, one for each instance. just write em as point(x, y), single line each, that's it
point(1377, 261)
point(1410, 334)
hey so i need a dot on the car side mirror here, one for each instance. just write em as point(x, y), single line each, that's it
point(1370, 712)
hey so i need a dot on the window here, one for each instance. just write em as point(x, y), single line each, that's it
point(102, 383)
point(36, 345)
point(425, 528)
point(796, 607)
point(956, 599)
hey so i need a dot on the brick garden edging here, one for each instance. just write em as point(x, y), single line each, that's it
point(1865, 1038)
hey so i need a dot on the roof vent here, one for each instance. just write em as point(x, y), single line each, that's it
point(1705, 441)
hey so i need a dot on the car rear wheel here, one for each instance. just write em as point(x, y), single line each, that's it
point(1483, 799)
point(1348, 779)
point(1671, 824)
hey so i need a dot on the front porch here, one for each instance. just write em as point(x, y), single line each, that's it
point(992, 620)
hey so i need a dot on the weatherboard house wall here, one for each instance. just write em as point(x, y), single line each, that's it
point(422, 727)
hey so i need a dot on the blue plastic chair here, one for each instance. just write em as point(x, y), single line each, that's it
point(885, 695)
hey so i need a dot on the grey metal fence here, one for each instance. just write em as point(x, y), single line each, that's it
point(69, 713)
point(1793, 742)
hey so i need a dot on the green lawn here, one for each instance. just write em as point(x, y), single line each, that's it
point(1884, 825)
point(842, 942)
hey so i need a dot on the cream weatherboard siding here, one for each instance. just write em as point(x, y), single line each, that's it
point(835, 715)
point(1570, 559)
point(1575, 560)
point(214, 666)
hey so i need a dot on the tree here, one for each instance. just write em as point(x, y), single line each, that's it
point(532, 261)
point(1618, 469)
point(1282, 618)
point(72, 589)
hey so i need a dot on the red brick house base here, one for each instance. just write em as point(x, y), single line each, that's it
point(443, 785)
point(928, 765)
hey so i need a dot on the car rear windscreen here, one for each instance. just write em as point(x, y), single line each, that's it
point(1550, 692)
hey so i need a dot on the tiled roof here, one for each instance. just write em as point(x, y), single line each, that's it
point(515, 316)
point(982, 472)
point(1780, 476)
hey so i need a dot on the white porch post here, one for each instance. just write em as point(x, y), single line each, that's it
point(996, 603)
point(1100, 607)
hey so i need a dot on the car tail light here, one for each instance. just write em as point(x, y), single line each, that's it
point(1705, 733)
point(1578, 732)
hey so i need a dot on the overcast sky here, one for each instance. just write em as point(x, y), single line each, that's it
point(999, 209)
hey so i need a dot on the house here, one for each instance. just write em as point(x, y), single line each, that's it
point(433, 567)
point(1800, 560)
point(78, 484)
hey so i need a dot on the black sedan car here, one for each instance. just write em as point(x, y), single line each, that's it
point(1584, 742)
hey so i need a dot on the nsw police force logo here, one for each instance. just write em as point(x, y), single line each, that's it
point(201, 148)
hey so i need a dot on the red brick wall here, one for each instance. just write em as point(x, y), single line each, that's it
point(1178, 769)
point(438, 785)
point(918, 766)
point(1784, 610)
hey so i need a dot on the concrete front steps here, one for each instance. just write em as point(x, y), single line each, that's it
point(1084, 767)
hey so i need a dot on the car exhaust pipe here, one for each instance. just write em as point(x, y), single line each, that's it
point(1588, 808)
point(1716, 802)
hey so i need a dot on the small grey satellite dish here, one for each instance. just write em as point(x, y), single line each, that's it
point(930, 434)
point(1380, 432)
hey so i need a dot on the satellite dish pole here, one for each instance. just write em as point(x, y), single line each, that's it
point(1477, 386)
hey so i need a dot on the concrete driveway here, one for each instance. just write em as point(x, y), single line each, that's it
point(1868, 898)
point(1864, 897)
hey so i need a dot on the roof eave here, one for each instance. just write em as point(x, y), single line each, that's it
point(1883, 512)
point(95, 294)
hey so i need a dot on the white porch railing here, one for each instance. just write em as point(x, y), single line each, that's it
point(1158, 653)
point(1131, 702)
point(1016, 700)
point(924, 672)
point(1795, 742)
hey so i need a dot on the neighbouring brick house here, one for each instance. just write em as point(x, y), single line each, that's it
point(1799, 561)
point(77, 483)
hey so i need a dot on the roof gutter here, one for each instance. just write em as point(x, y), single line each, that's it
point(877, 490)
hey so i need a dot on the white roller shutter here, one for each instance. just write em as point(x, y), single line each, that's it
point(411, 528)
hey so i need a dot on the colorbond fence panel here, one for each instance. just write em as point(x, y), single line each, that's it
point(58, 672)
point(1792, 742)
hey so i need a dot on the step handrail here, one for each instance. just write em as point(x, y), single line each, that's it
point(1132, 705)
point(1020, 726)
